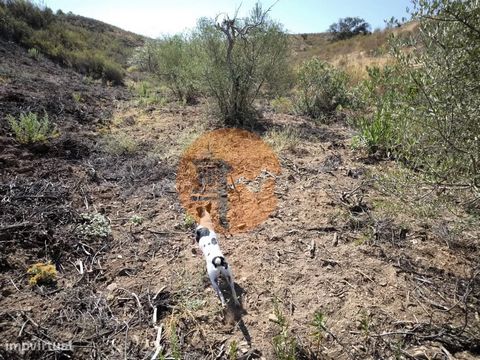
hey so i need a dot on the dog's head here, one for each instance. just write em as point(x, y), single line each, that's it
point(203, 213)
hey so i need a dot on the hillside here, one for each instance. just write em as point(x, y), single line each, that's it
point(91, 47)
point(352, 54)
point(360, 258)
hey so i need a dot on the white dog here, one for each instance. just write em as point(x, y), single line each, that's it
point(216, 263)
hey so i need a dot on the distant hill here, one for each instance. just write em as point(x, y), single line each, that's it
point(352, 54)
point(89, 46)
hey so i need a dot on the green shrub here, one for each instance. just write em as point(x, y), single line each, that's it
point(426, 108)
point(120, 144)
point(384, 94)
point(113, 72)
point(33, 53)
point(321, 89)
point(243, 58)
point(30, 129)
point(174, 60)
point(284, 344)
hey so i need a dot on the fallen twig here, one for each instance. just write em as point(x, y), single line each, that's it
point(158, 339)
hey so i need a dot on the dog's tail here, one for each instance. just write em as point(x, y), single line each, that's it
point(219, 261)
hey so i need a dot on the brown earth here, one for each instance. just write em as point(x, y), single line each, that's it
point(394, 272)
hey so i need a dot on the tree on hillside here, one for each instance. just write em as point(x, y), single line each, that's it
point(347, 27)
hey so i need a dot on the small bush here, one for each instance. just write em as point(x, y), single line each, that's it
point(113, 72)
point(284, 139)
point(188, 221)
point(42, 273)
point(77, 97)
point(377, 133)
point(33, 53)
point(29, 129)
point(282, 105)
point(137, 220)
point(319, 329)
point(321, 89)
point(120, 144)
point(93, 225)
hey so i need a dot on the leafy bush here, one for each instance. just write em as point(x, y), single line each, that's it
point(175, 61)
point(384, 94)
point(243, 58)
point(447, 74)
point(348, 27)
point(427, 107)
point(321, 89)
point(30, 129)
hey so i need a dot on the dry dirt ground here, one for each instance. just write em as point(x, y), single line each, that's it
point(388, 263)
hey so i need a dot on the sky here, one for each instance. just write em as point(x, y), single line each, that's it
point(155, 18)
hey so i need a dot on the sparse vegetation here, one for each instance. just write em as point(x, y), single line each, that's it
point(173, 340)
point(29, 129)
point(284, 344)
point(233, 350)
point(319, 330)
point(150, 94)
point(282, 139)
point(282, 105)
point(120, 144)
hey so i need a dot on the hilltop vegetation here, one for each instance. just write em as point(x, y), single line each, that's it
point(91, 47)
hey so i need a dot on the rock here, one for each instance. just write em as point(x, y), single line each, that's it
point(273, 318)
point(112, 287)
